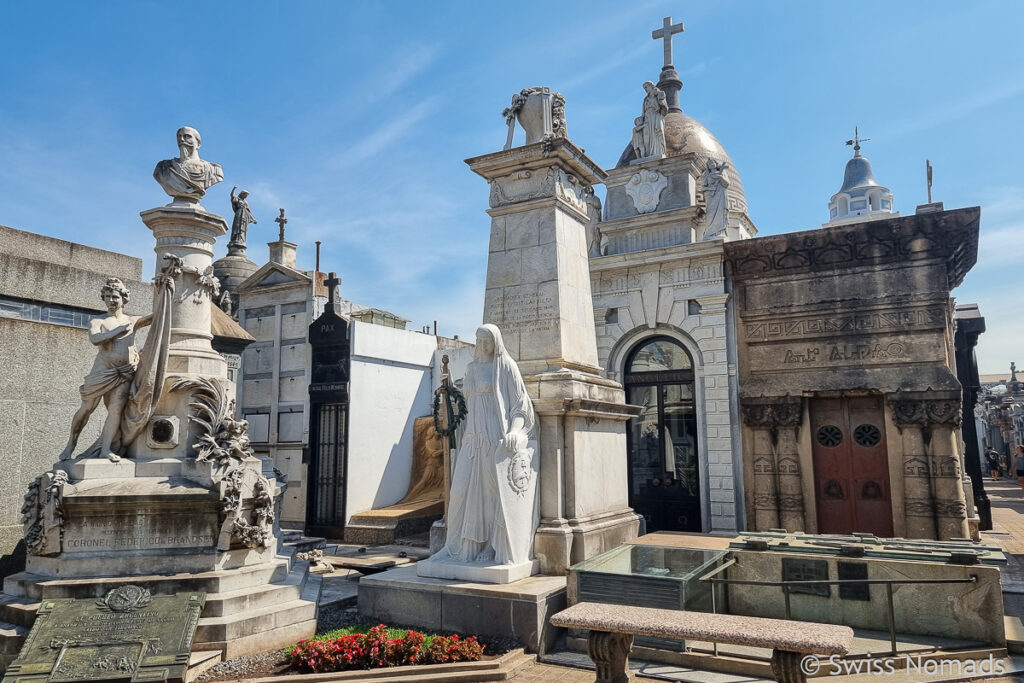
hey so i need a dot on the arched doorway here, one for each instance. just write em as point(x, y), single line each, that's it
point(664, 477)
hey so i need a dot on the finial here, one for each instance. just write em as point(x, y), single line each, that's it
point(281, 220)
point(669, 81)
point(857, 139)
point(928, 172)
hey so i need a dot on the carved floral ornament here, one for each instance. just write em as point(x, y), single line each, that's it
point(645, 188)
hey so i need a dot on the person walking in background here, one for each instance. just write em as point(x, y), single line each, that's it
point(1018, 462)
point(992, 458)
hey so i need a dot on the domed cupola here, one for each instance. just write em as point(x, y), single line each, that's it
point(861, 198)
point(674, 172)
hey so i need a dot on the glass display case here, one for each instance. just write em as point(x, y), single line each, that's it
point(649, 576)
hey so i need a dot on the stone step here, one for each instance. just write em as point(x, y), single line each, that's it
point(233, 626)
point(501, 669)
point(12, 636)
point(36, 587)
point(1014, 635)
point(15, 610)
point(231, 602)
point(304, 543)
point(201, 662)
point(264, 641)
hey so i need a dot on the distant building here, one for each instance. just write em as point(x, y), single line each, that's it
point(49, 293)
point(861, 198)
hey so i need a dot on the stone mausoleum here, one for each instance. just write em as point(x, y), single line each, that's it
point(663, 313)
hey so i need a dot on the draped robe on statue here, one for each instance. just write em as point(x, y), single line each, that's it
point(493, 504)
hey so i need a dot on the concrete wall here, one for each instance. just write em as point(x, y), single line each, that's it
point(44, 362)
point(391, 385)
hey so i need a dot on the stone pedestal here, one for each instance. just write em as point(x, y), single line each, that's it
point(538, 293)
point(172, 517)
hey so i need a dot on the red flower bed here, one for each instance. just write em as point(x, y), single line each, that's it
point(375, 649)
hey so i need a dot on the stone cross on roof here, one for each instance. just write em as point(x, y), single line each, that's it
point(281, 220)
point(332, 283)
point(665, 33)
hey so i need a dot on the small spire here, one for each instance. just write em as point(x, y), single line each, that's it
point(857, 139)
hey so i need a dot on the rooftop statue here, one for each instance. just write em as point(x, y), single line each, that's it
point(540, 112)
point(714, 183)
point(652, 124)
point(243, 217)
point(187, 176)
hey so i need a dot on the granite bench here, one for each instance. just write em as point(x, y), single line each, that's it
point(612, 628)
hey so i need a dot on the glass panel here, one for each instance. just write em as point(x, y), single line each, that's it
point(644, 438)
point(678, 563)
point(660, 355)
point(680, 436)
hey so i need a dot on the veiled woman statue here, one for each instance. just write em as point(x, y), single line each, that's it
point(493, 509)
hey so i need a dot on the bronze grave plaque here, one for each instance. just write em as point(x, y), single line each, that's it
point(127, 635)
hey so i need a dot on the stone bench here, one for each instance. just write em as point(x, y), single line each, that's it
point(612, 628)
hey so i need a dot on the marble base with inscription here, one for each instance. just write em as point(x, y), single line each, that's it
point(148, 522)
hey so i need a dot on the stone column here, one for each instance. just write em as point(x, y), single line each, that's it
point(186, 231)
point(935, 504)
point(538, 293)
point(778, 488)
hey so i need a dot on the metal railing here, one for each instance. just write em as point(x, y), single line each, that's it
point(786, 585)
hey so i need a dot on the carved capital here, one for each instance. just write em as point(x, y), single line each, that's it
point(782, 412)
point(924, 412)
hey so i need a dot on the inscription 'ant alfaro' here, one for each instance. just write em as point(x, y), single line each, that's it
point(846, 352)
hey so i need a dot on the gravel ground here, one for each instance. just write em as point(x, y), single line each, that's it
point(330, 618)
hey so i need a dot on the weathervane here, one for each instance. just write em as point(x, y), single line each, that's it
point(857, 139)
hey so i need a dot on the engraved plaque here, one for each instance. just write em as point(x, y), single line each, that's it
point(799, 569)
point(127, 635)
point(854, 591)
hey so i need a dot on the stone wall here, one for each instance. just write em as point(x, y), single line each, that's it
point(44, 279)
point(679, 293)
point(853, 313)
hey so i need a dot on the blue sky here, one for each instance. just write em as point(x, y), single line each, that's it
point(356, 116)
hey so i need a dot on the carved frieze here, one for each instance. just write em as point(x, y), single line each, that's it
point(783, 413)
point(854, 323)
point(918, 507)
point(645, 188)
point(925, 412)
point(526, 185)
point(951, 235)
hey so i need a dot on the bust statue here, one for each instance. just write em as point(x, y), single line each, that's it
point(187, 177)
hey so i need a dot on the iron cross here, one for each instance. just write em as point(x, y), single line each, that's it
point(332, 283)
point(281, 220)
point(665, 33)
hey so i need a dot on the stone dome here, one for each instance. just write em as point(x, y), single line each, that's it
point(684, 135)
